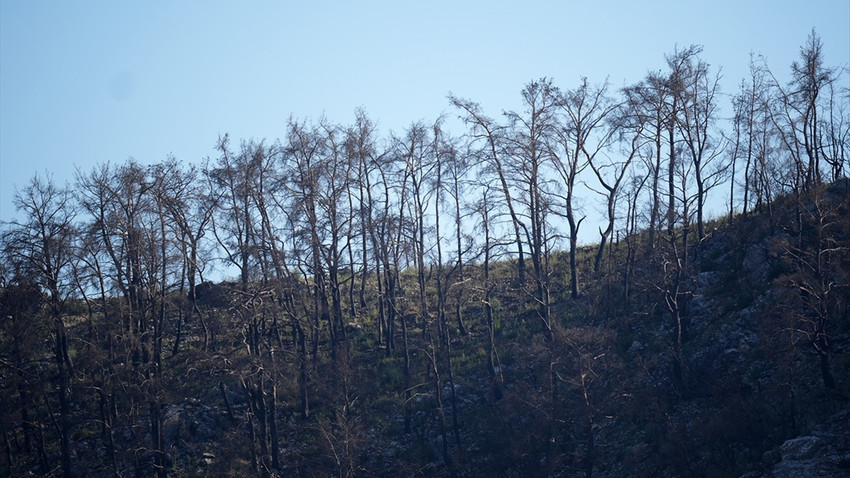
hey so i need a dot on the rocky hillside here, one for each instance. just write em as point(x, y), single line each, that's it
point(726, 356)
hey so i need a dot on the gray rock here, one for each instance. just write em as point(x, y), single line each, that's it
point(808, 456)
point(802, 448)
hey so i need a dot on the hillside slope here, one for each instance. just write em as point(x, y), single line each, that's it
point(727, 357)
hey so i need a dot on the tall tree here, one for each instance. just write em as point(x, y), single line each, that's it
point(809, 77)
point(359, 145)
point(648, 99)
point(753, 140)
point(529, 140)
point(675, 84)
point(581, 137)
point(443, 153)
point(306, 149)
point(455, 167)
point(162, 279)
point(42, 242)
point(797, 110)
point(610, 173)
point(485, 209)
point(696, 91)
point(235, 225)
point(489, 136)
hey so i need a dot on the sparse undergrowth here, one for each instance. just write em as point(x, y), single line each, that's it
point(608, 391)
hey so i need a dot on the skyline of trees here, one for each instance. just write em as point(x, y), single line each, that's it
point(332, 226)
point(687, 104)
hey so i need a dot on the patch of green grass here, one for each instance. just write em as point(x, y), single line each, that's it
point(390, 372)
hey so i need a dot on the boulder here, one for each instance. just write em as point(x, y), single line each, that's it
point(802, 448)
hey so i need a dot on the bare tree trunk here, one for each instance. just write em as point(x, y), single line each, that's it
point(64, 408)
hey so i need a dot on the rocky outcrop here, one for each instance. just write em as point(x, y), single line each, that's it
point(825, 453)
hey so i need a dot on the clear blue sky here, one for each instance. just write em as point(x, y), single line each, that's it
point(88, 82)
